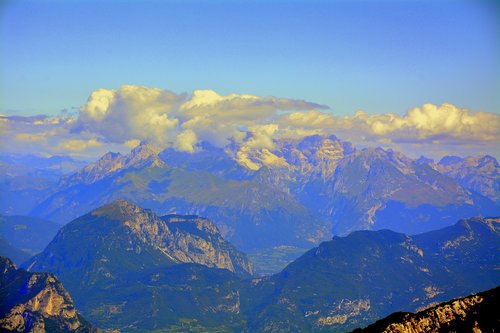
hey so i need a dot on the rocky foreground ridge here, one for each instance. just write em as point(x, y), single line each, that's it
point(474, 313)
point(121, 250)
point(36, 302)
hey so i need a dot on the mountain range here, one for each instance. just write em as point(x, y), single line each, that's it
point(352, 281)
point(26, 180)
point(297, 193)
point(128, 268)
point(480, 174)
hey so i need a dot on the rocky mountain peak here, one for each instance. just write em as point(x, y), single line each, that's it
point(315, 142)
point(485, 162)
point(106, 165)
point(175, 239)
point(143, 154)
point(142, 222)
point(424, 160)
point(492, 223)
point(36, 302)
point(122, 210)
point(110, 163)
point(481, 161)
point(316, 153)
point(448, 160)
point(478, 173)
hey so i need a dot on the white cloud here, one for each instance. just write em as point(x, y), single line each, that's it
point(162, 117)
point(122, 118)
point(261, 136)
point(50, 136)
point(186, 141)
point(423, 124)
point(77, 145)
point(219, 119)
point(131, 113)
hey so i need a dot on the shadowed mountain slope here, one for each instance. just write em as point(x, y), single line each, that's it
point(351, 281)
point(123, 275)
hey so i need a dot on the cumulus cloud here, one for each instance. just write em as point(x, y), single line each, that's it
point(186, 141)
point(130, 113)
point(76, 145)
point(445, 123)
point(49, 136)
point(261, 136)
point(219, 119)
point(121, 118)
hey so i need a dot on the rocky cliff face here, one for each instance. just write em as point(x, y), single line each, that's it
point(197, 240)
point(128, 268)
point(111, 163)
point(185, 239)
point(475, 313)
point(478, 173)
point(174, 239)
point(315, 156)
point(36, 302)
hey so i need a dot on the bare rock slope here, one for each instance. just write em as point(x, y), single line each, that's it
point(36, 302)
point(474, 313)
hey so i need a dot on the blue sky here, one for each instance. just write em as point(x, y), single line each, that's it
point(376, 56)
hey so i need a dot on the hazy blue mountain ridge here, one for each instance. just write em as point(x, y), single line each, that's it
point(296, 193)
point(351, 281)
point(479, 173)
point(27, 180)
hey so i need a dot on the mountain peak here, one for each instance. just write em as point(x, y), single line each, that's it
point(144, 150)
point(478, 173)
point(482, 161)
point(144, 154)
point(448, 160)
point(123, 211)
point(121, 226)
point(121, 203)
point(6, 265)
point(36, 302)
point(424, 160)
point(106, 165)
point(110, 163)
point(492, 223)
